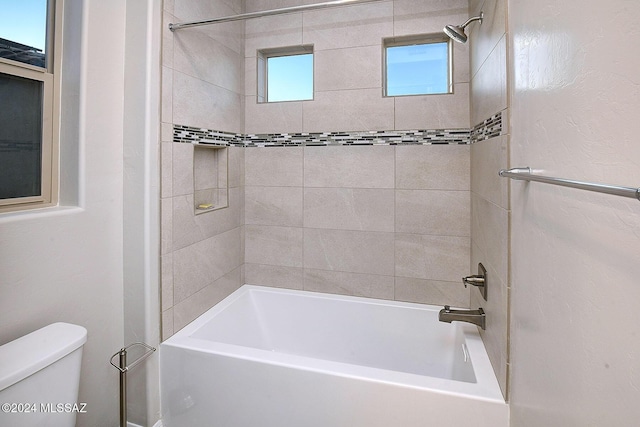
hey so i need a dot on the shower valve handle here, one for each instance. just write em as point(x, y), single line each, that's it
point(475, 280)
point(479, 280)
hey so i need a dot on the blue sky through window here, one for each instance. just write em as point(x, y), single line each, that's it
point(418, 69)
point(290, 78)
point(24, 21)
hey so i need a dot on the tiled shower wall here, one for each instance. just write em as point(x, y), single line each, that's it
point(381, 221)
point(378, 221)
point(202, 86)
point(347, 43)
point(489, 192)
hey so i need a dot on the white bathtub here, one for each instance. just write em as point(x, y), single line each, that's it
point(266, 357)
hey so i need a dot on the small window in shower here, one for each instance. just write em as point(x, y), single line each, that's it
point(417, 65)
point(285, 74)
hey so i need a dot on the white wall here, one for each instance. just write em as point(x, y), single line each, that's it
point(141, 194)
point(575, 292)
point(65, 264)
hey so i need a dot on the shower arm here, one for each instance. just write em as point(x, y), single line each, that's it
point(470, 20)
point(292, 9)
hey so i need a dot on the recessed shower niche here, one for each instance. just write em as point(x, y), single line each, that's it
point(210, 177)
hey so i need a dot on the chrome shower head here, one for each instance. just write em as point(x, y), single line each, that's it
point(456, 32)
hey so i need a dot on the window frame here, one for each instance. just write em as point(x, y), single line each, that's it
point(413, 40)
point(50, 78)
point(263, 56)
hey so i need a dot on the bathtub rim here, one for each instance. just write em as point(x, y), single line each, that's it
point(485, 388)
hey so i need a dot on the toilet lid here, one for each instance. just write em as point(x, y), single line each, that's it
point(37, 350)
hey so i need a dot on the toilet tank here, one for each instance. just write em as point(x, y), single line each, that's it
point(39, 377)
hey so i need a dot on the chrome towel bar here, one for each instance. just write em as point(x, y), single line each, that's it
point(525, 174)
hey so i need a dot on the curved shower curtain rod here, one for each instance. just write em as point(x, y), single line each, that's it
point(260, 14)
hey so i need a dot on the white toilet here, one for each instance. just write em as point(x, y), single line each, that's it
point(39, 377)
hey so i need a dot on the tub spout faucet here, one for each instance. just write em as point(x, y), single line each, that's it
point(477, 317)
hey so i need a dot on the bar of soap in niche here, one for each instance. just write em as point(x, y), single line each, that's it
point(205, 206)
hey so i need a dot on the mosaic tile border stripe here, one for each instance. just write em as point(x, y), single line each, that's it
point(489, 128)
point(189, 134)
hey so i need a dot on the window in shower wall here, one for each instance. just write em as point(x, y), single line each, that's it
point(285, 74)
point(28, 142)
point(417, 65)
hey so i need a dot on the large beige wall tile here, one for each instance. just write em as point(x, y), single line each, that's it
point(195, 266)
point(168, 6)
point(189, 228)
point(435, 212)
point(260, 5)
point(349, 166)
point(444, 258)
point(204, 162)
point(338, 282)
point(487, 158)
point(166, 111)
point(185, 228)
point(431, 292)
point(166, 226)
point(348, 110)
point(166, 277)
point(425, 17)
point(496, 307)
point(231, 34)
point(236, 167)
point(273, 206)
point(488, 88)
point(484, 38)
point(272, 117)
point(350, 68)
point(358, 25)
point(461, 68)
point(490, 231)
point(193, 51)
point(182, 169)
point(167, 39)
point(201, 104)
point(166, 161)
point(449, 111)
point(349, 209)
point(273, 166)
point(350, 251)
point(198, 10)
point(265, 244)
point(275, 276)
point(271, 32)
point(432, 167)
point(167, 323)
point(198, 303)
